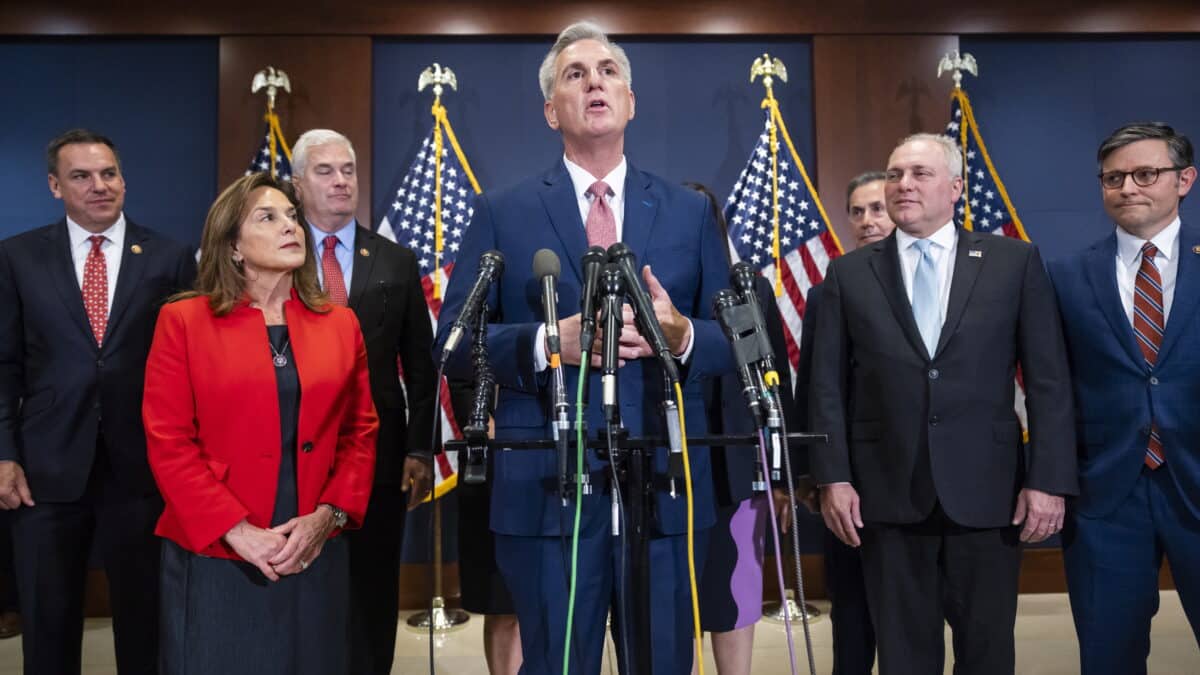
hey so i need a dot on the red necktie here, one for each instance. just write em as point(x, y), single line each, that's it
point(95, 288)
point(601, 225)
point(1148, 323)
point(335, 283)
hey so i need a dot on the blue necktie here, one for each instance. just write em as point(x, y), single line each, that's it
point(925, 305)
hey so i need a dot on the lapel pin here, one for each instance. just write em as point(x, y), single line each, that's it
point(364, 252)
point(975, 253)
point(1196, 249)
point(647, 202)
point(136, 249)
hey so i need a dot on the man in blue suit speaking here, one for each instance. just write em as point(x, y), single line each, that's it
point(1131, 313)
point(592, 196)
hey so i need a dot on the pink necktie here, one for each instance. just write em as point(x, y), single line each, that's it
point(335, 283)
point(601, 225)
point(95, 288)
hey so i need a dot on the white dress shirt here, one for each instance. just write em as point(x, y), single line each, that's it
point(944, 247)
point(582, 181)
point(113, 246)
point(1129, 259)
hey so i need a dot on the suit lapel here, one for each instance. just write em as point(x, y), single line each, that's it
point(1101, 274)
point(365, 244)
point(640, 209)
point(885, 262)
point(966, 271)
point(62, 273)
point(129, 276)
point(558, 197)
point(1187, 288)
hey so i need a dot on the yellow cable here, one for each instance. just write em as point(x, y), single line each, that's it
point(691, 532)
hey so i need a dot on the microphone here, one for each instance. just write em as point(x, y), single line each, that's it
point(743, 277)
point(474, 462)
point(620, 255)
point(739, 328)
point(491, 266)
point(546, 268)
point(592, 263)
point(612, 286)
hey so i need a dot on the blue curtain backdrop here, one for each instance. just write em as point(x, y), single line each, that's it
point(157, 100)
point(1044, 105)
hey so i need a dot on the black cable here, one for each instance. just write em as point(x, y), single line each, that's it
point(622, 609)
point(787, 469)
point(434, 445)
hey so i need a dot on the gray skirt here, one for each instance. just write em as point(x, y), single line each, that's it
point(222, 617)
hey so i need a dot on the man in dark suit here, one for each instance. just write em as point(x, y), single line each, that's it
point(80, 300)
point(592, 195)
point(1131, 314)
point(379, 280)
point(849, 615)
point(916, 352)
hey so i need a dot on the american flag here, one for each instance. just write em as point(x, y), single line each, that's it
point(985, 205)
point(281, 167)
point(411, 221)
point(806, 242)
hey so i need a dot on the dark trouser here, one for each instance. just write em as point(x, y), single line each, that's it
point(8, 577)
point(919, 575)
point(1112, 573)
point(52, 542)
point(375, 581)
point(853, 635)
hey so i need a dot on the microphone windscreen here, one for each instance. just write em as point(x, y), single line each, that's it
point(546, 262)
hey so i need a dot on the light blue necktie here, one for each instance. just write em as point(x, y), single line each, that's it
point(925, 305)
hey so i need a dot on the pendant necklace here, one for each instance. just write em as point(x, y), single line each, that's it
point(280, 357)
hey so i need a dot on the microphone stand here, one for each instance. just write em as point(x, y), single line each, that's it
point(474, 464)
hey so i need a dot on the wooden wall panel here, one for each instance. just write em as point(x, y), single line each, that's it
point(870, 91)
point(331, 88)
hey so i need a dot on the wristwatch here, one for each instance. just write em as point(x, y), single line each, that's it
point(339, 516)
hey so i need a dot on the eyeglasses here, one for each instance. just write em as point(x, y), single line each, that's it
point(1143, 176)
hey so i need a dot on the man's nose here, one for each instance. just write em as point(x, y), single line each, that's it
point(98, 183)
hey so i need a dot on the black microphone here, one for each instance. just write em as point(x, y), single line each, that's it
point(612, 286)
point(592, 263)
point(739, 329)
point(491, 266)
point(546, 268)
point(743, 277)
point(620, 255)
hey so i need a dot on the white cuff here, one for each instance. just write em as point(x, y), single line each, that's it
point(540, 362)
point(687, 351)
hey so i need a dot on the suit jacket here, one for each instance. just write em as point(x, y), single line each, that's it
point(668, 227)
point(56, 384)
point(1117, 396)
point(212, 419)
point(910, 429)
point(733, 467)
point(385, 294)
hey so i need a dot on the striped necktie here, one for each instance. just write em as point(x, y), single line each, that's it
point(1149, 319)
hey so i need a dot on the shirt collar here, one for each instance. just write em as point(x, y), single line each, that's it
point(582, 180)
point(943, 238)
point(1129, 246)
point(345, 235)
point(78, 235)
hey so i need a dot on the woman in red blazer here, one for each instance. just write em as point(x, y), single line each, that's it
point(261, 435)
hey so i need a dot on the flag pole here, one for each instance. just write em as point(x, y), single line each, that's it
point(273, 80)
point(438, 615)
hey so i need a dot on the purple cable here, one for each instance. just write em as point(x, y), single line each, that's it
point(787, 622)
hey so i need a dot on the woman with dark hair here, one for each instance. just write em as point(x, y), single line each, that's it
point(261, 434)
point(731, 588)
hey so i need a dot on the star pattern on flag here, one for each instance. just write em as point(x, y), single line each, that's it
point(988, 213)
point(806, 244)
point(262, 159)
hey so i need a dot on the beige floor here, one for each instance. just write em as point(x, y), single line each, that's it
point(1045, 645)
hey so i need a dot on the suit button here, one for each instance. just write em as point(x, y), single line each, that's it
point(933, 421)
point(1145, 431)
point(1153, 381)
point(307, 447)
point(934, 374)
point(100, 363)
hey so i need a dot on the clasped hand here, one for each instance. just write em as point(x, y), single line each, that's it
point(285, 549)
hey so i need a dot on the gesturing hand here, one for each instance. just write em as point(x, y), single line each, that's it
point(1042, 514)
point(676, 327)
point(256, 546)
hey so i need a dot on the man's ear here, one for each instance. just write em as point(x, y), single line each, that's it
point(551, 115)
point(55, 188)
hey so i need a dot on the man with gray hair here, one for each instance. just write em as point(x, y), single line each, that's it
point(592, 196)
point(916, 350)
point(380, 281)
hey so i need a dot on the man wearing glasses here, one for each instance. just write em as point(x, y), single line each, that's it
point(1131, 315)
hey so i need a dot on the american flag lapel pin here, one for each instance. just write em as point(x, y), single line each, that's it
point(975, 253)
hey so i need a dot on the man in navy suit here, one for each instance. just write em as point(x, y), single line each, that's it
point(592, 195)
point(1131, 314)
point(80, 300)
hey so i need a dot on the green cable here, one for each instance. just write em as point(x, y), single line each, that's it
point(585, 361)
